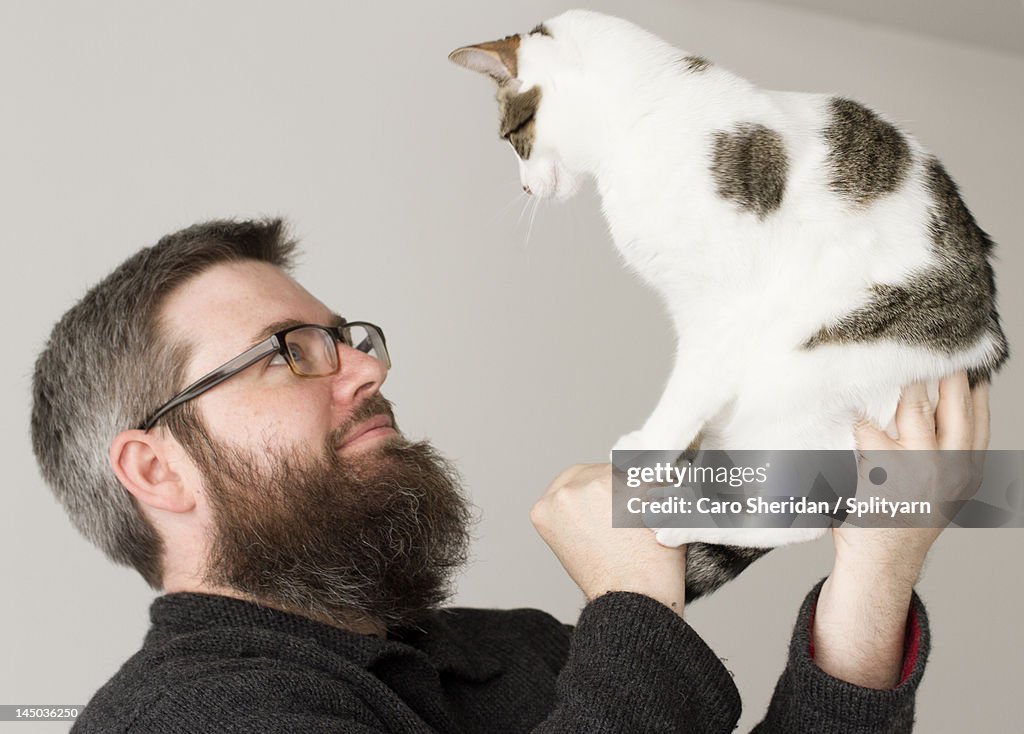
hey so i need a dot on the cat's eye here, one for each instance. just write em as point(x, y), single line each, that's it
point(517, 128)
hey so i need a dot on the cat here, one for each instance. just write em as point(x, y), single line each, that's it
point(814, 258)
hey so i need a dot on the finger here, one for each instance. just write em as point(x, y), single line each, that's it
point(954, 414)
point(915, 418)
point(870, 437)
point(982, 419)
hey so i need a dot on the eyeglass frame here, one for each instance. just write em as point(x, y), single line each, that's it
point(273, 343)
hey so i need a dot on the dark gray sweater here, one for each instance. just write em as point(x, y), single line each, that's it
point(213, 664)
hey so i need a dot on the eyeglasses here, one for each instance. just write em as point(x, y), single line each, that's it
point(309, 350)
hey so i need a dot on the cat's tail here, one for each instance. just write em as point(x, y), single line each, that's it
point(709, 567)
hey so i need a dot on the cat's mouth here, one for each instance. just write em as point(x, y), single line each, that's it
point(548, 179)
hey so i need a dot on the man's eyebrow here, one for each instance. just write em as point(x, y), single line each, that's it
point(270, 329)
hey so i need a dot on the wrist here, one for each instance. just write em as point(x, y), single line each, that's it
point(661, 575)
point(859, 625)
point(876, 581)
point(873, 585)
point(885, 558)
point(672, 597)
point(665, 583)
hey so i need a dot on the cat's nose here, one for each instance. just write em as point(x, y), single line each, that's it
point(527, 189)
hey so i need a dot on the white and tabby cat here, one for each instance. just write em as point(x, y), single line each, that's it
point(814, 258)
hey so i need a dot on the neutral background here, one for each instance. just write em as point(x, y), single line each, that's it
point(514, 348)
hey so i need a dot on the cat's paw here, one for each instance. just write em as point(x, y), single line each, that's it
point(675, 537)
point(641, 443)
point(638, 440)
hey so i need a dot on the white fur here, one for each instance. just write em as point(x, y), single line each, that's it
point(743, 293)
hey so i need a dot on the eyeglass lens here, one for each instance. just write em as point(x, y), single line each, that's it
point(313, 352)
point(366, 340)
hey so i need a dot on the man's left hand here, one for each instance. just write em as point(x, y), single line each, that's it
point(861, 616)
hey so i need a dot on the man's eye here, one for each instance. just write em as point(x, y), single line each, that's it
point(296, 353)
point(278, 361)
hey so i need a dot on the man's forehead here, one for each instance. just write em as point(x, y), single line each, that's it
point(231, 306)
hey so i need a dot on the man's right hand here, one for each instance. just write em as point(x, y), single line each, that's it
point(574, 517)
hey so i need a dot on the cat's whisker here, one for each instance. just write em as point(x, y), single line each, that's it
point(533, 215)
point(501, 212)
point(526, 205)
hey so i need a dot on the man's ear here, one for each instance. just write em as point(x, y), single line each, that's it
point(143, 464)
point(498, 59)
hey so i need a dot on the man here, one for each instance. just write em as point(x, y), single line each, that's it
point(207, 421)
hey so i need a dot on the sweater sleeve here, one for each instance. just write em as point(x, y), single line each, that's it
point(635, 666)
point(807, 699)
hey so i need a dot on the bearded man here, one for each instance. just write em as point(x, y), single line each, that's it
point(207, 421)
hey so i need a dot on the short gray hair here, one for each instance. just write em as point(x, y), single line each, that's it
point(106, 367)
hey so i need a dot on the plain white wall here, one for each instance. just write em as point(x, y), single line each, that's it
point(515, 354)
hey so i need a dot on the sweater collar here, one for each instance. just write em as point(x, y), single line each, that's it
point(436, 641)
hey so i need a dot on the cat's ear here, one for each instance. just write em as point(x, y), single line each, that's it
point(498, 59)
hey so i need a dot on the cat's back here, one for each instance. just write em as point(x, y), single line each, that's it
point(842, 156)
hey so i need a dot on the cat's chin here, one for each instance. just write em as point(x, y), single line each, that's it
point(551, 180)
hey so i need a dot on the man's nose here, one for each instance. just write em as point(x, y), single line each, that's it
point(359, 375)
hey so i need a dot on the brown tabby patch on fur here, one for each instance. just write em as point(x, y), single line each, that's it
point(695, 64)
point(517, 118)
point(868, 156)
point(947, 307)
point(749, 166)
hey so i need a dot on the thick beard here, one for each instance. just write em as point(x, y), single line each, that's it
point(372, 539)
